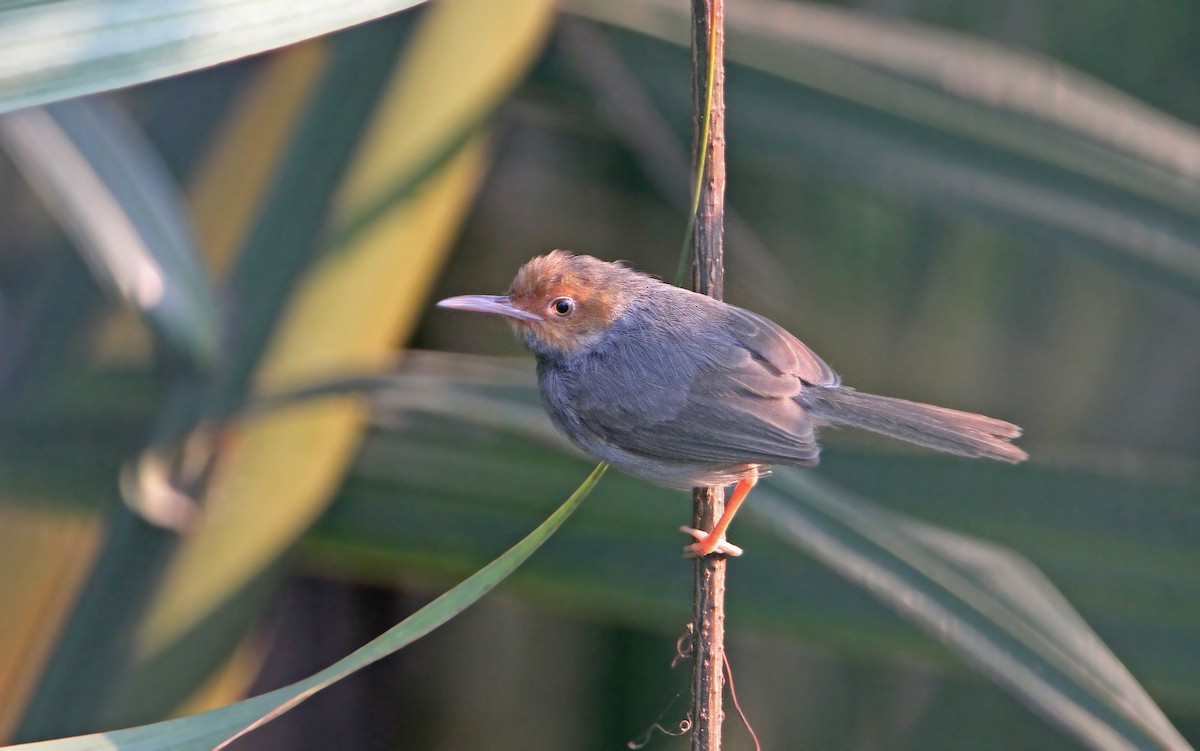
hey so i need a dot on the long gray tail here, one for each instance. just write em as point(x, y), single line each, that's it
point(949, 430)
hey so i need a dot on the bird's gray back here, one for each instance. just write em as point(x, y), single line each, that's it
point(671, 393)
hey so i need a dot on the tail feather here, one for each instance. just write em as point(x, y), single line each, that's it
point(949, 430)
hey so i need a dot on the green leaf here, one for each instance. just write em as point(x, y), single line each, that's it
point(463, 451)
point(58, 49)
point(287, 237)
point(39, 339)
point(102, 179)
point(95, 648)
point(986, 603)
point(964, 125)
point(220, 726)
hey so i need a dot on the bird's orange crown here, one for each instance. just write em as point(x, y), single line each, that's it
point(576, 297)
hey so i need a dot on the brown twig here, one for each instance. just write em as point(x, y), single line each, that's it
point(708, 271)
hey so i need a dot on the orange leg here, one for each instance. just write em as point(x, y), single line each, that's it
point(714, 541)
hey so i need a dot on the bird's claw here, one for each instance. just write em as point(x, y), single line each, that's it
point(706, 545)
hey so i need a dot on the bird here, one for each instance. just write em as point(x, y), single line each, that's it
point(685, 391)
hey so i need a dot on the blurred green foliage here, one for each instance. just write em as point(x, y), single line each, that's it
point(998, 261)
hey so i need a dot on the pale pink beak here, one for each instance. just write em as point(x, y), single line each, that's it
point(489, 304)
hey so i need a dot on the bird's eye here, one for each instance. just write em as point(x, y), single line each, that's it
point(563, 306)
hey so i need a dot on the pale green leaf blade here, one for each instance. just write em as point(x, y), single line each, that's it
point(217, 727)
point(102, 179)
point(992, 607)
point(58, 50)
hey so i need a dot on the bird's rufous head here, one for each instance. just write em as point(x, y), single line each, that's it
point(559, 302)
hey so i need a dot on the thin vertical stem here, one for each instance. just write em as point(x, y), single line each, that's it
point(708, 272)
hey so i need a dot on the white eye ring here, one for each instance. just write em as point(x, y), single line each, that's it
point(562, 306)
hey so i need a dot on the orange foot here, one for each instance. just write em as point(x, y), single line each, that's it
point(707, 544)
